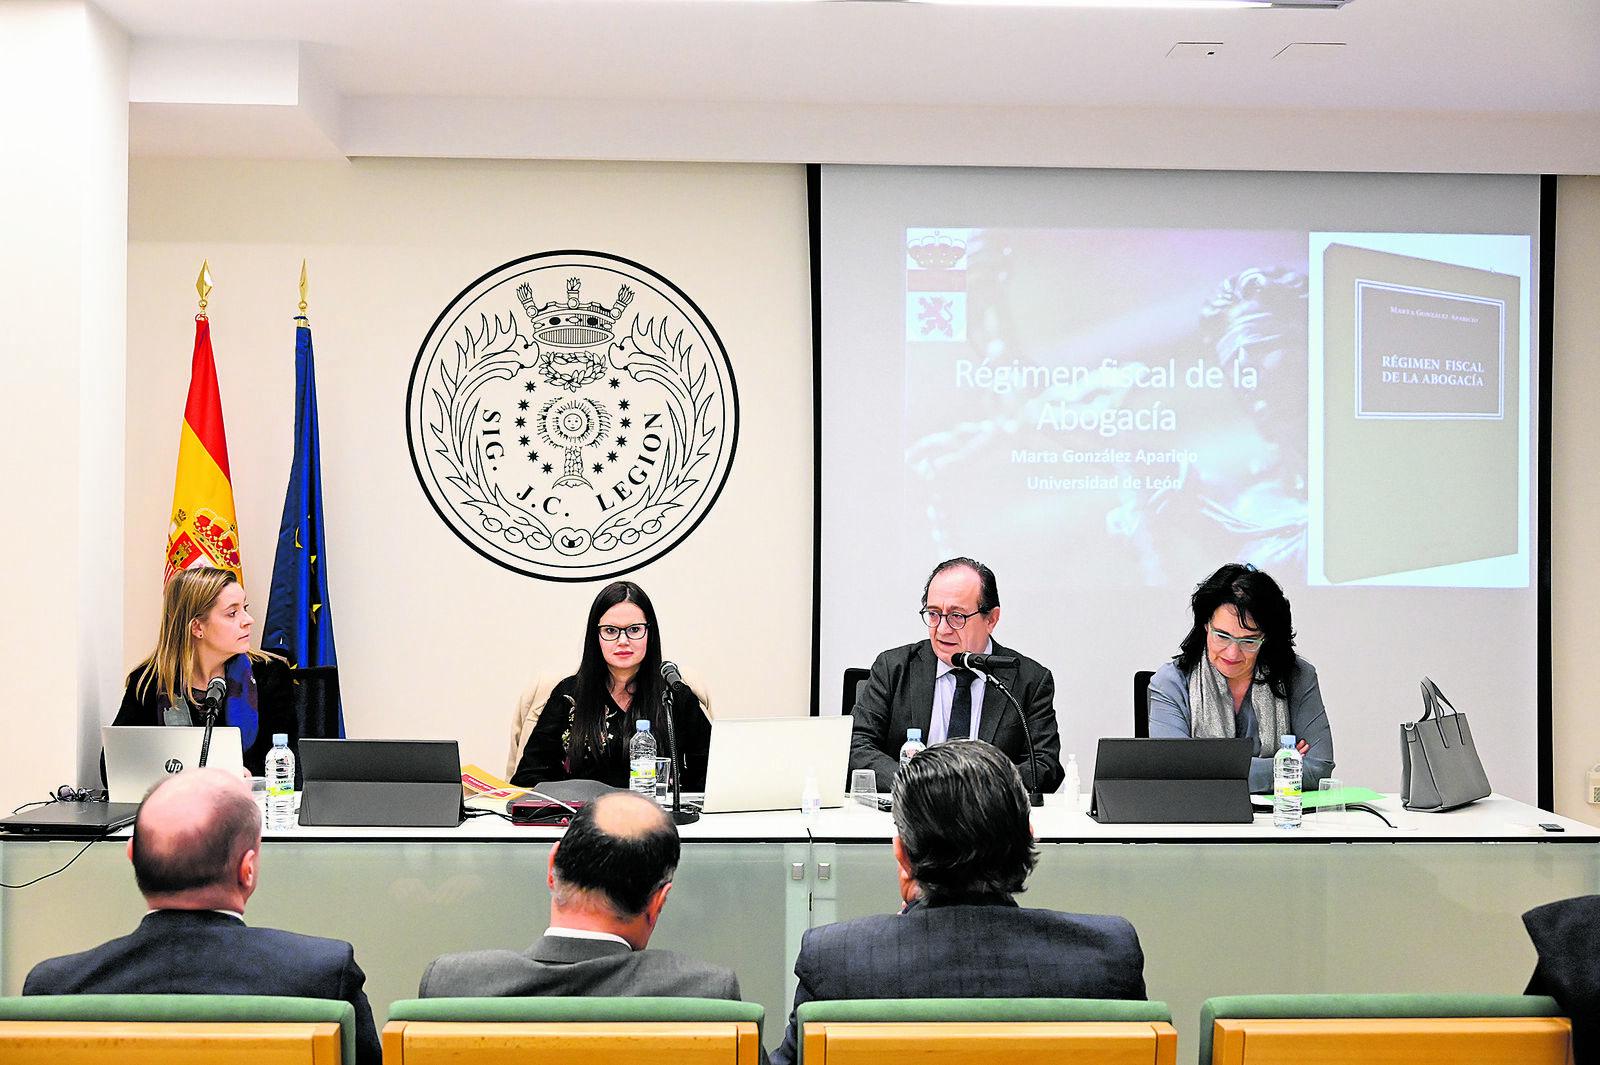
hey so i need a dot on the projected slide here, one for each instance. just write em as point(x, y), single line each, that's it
point(1138, 394)
point(1144, 396)
point(1418, 459)
point(1105, 384)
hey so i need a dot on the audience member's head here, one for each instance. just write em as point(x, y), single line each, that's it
point(613, 868)
point(962, 818)
point(196, 842)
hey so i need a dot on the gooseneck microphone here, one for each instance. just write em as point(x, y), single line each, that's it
point(968, 660)
point(983, 663)
point(216, 692)
point(671, 677)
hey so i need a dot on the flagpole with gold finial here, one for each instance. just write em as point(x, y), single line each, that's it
point(301, 317)
point(202, 285)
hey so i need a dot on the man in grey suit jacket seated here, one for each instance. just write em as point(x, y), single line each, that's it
point(196, 850)
point(609, 877)
point(964, 848)
point(917, 686)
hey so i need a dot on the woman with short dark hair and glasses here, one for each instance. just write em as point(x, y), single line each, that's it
point(1236, 674)
point(584, 728)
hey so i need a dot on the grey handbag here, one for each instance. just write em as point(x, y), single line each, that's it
point(1439, 766)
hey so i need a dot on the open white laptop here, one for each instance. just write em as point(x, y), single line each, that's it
point(139, 755)
point(761, 763)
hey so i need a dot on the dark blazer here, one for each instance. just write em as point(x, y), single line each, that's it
point(997, 951)
point(560, 965)
point(274, 709)
point(1567, 936)
point(898, 695)
point(204, 952)
point(544, 757)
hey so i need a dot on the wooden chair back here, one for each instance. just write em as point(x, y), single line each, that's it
point(1392, 1041)
point(169, 1042)
point(572, 1043)
point(990, 1043)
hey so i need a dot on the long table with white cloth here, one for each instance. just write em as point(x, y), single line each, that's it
point(1432, 904)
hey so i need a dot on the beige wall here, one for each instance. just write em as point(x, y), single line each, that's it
point(63, 204)
point(1575, 494)
point(434, 640)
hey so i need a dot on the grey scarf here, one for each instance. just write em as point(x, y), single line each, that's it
point(1211, 713)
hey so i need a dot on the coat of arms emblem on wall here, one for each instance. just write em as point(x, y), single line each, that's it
point(572, 415)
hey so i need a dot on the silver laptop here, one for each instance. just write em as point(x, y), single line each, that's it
point(137, 756)
point(761, 763)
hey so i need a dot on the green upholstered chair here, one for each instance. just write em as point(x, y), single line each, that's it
point(1013, 1031)
point(212, 1026)
point(1378, 1024)
point(575, 1031)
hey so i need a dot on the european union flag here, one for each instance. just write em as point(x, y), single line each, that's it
point(299, 621)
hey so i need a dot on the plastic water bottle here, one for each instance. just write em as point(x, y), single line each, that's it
point(280, 783)
point(642, 761)
point(912, 745)
point(1286, 785)
point(811, 795)
point(1073, 785)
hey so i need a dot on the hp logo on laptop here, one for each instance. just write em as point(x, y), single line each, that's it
point(174, 765)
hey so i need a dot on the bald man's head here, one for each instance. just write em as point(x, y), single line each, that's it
point(192, 831)
point(621, 848)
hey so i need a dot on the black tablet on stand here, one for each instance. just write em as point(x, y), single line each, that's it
point(1172, 781)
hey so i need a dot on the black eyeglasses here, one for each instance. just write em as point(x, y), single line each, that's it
point(609, 633)
point(954, 620)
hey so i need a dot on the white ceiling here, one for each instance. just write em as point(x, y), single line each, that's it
point(1399, 81)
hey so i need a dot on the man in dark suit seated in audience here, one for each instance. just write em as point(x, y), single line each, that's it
point(1567, 934)
point(609, 877)
point(965, 848)
point(917, 686)
point(195, 851)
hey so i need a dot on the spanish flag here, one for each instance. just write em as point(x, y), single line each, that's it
point(204, 531)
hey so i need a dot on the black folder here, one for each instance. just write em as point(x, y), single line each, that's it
point(391, 783)
point(1172, 781)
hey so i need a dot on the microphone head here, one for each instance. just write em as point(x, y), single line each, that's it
point(217, 691)
point(670, 674)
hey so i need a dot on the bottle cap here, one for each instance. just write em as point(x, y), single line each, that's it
point(280, 739)
point(1286, 741)
point(914, 734)
point(643, 724)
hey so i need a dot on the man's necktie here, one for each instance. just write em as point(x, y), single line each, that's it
point(961, 709)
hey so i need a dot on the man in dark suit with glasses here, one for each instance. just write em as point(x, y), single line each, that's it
point(917, 687)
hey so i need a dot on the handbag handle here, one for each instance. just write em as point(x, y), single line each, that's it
point(1432, 698)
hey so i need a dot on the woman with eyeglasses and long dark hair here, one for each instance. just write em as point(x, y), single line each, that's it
point(583, 730)
point(1236, 674)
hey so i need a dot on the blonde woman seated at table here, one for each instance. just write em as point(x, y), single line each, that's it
point(579, 727)
point(1236, 674)
point(205, 634)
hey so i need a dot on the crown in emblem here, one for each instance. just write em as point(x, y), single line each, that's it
point(218, 539)
point(572, 324)
point(936, 251)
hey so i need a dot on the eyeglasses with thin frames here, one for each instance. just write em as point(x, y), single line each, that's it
point(954, 620)
point(1244, 643)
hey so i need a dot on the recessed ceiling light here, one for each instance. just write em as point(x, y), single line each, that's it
point(1191, 4)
